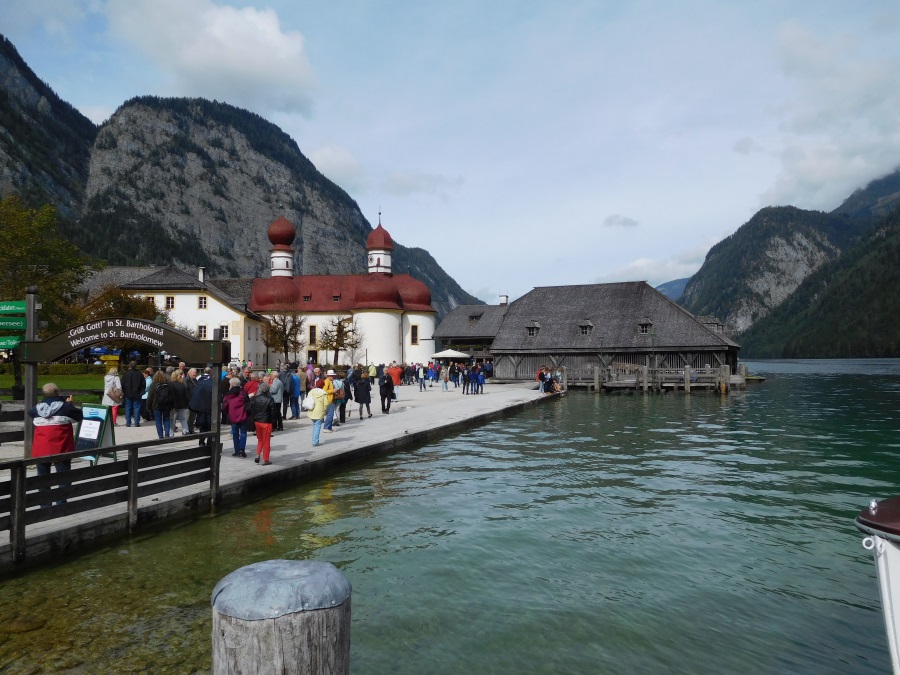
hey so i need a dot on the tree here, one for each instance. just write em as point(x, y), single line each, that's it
point(340, 334)
point(283, 333)
point(32, 253)
point(112, 301)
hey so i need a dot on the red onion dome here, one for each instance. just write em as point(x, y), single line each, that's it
point(377, 291)
point(282, 232)
point(379, 238)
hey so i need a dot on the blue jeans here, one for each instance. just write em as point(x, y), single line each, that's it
point(133, 407)
point(421, 384)
point(163, 422)
point(317, 430)
point(295, 405)
point(329, 416)
point(239, 436)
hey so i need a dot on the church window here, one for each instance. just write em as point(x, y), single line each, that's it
point(312, 335)
point(414, 338)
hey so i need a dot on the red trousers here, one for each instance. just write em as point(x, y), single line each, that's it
point(263, 440)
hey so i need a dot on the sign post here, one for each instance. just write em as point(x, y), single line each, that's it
point(95, 431)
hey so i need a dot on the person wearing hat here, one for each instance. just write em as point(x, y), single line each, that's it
point(328, 387)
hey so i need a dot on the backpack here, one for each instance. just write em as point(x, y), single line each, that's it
point(164, 399)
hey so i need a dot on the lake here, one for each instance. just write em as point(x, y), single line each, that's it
point(619, 533)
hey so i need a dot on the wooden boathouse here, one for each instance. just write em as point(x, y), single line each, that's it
point(620, 335)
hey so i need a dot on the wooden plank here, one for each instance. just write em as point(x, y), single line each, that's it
point(182, 481)
point(78, 506)
point(173, 470)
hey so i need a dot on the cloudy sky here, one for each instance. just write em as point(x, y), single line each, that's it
point(523, 143)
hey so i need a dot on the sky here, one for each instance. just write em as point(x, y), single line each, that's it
point(522, 143)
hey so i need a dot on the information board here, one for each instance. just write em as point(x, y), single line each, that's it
point(96, 429)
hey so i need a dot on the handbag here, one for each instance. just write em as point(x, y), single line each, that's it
point(116, 394)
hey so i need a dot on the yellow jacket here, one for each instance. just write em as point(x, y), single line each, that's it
point(328, 388)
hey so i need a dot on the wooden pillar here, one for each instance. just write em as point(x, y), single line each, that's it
point(597, 378)
point(645, 377)
point(687, 379)
point(282, 616)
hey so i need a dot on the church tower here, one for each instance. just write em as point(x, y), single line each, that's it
point(282, 233)
point(379, 246)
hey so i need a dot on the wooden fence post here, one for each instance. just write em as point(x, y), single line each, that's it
point(282, 616)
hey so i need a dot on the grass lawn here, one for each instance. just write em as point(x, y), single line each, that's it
point(65, 383)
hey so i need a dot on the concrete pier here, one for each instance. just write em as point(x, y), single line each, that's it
point(416, 417)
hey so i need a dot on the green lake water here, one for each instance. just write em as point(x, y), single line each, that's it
point(624, 533)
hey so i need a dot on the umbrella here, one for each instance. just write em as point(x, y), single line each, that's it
point(450, 354)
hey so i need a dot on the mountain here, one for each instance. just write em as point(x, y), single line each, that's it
point(673, 289)
point(45, 143)
point(849, 307)
point(184, 182)
point(760, 266)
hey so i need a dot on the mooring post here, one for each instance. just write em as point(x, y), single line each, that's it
point(282, 616)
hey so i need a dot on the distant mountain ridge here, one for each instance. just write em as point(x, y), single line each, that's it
point(186, 182)
point(673, 289)
point(849, 307)
point(758, 268)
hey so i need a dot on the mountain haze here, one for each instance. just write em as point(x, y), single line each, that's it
point(187, 182)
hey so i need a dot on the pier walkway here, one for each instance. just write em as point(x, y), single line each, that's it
point(416, 417)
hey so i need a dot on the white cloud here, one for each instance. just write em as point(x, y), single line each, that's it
point(340, 166)
point(405, 183)
point(617, 220)
point(746, 146)
point(840, 128)
point(239, 55)
point(657, 271)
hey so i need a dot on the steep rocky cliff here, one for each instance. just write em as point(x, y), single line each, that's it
point(758, 267)
point(45, 143)
point(187, 182)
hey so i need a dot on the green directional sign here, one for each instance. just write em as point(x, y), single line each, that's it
point(12, 306)
point(12, 322)
point(9, 342)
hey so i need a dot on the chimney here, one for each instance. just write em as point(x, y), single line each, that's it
point(504, 300)
point(201, 275)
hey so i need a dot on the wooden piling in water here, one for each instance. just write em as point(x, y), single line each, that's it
point(282, 616)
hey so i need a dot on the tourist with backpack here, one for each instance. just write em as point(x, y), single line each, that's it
point(161, 400)
point(234, 412)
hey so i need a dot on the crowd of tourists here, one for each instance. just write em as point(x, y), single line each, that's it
point(178, 400)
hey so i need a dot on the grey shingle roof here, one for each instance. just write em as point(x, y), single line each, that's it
point(161, 279)
point(472, 322)
point(615, 312)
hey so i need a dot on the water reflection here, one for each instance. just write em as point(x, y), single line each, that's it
point(625, 533)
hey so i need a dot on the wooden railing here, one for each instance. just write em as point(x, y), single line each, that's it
point(629, 375)
point(29, 499)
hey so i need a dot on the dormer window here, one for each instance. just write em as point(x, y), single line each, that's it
point(474, 317)
point(585, 330)
point(532, 331)
point(307, 298)
point(336, 298)
point(644, 327)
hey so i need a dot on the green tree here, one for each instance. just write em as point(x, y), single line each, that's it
point(32, 253)
point(112, 302)
point(340, 334)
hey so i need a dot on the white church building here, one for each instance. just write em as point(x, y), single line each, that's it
point(393, 312)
